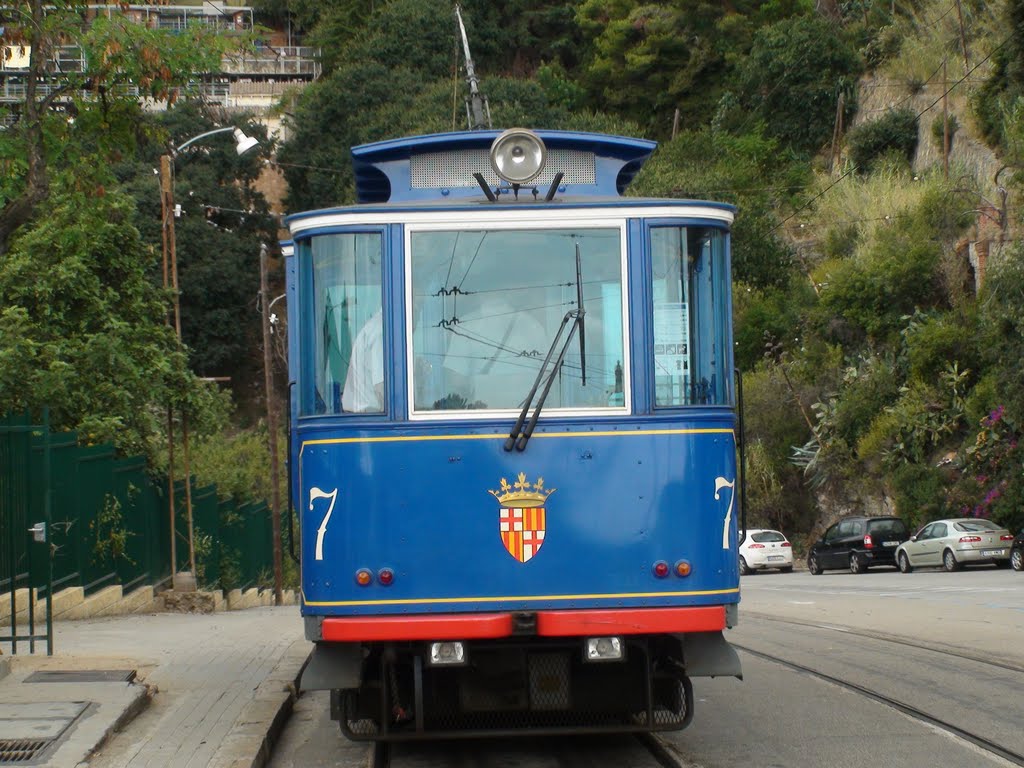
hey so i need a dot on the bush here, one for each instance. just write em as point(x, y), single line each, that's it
point(895, 131)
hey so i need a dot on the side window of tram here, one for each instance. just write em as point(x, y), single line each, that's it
point(487, 304)
point(689, 316)
point(345, 357)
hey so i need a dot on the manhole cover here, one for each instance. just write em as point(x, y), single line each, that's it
point(20, 750)
point(82, 676)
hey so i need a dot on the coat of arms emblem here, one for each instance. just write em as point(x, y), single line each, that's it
point(521, 521)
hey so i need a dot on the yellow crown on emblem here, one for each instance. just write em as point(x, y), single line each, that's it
point(522, 494)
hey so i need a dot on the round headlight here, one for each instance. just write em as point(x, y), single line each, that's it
point(518, 155)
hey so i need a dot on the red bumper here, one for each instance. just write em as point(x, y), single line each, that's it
point(481, 626)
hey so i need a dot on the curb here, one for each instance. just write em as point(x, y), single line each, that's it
point(142, 700)
point(251, 739)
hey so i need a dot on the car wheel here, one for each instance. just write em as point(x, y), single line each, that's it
point(745, 570)
point(949, 561)
point(1017, 559)
point(857, 563)
point(786, 569)
point(904, 563)
point(812, 565)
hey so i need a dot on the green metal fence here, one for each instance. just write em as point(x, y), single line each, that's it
point(109, 521)
point(25, 506)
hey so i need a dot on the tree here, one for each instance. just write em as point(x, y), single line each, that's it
point(223, 221)
point(792, 79)
point(116, 51)
point(83, 326)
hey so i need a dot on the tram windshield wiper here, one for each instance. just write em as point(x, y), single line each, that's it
point(519, 436)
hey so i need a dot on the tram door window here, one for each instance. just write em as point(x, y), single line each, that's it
point(342, 274)
point(487, 305)
point(690, 315)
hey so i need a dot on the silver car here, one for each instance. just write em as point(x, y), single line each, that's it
point(952, 543)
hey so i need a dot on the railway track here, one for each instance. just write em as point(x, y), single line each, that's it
point(998, 750)
point(565, 753)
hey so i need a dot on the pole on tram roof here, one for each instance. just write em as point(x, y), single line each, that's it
point(477, 102)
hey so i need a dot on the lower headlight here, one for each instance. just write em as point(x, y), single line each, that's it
point(448, 652)
point(604, 649)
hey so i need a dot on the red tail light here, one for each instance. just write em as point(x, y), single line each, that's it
point(1006, 537)
point(660, 569)
point(969, 539)
point(785, 544)
point(868, 543)
point(756, 546)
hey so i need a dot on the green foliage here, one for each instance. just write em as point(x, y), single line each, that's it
point(991, 484)
point(919, 494)
point(865, 298)
point(238, 462)
point(792, 79)
point(110, 533)
point(1003, 91)
point(708, 164)
point(1002, 330)
point(932, 342)
point(88, 337)
point(895, 132)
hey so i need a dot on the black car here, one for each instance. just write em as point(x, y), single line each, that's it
point(858, 543)
point(1017, 552)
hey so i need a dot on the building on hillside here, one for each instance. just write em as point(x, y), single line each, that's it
point(254, 82)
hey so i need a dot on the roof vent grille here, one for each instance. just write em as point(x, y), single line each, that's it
point(447, 170)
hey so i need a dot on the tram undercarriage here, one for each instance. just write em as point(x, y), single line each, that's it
point(503, 687)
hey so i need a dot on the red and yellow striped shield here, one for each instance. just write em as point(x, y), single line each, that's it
point(522, 531)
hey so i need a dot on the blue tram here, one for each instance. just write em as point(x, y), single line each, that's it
point(513, 439)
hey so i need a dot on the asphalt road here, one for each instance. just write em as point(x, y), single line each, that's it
point(948, 644)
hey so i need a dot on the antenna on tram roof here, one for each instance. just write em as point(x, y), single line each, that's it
point(476, 104)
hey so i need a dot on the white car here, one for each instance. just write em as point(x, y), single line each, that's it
point(763, 548)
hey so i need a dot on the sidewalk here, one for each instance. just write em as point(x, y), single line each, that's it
point(209, 690)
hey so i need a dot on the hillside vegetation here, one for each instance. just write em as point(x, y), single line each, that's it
point(879, 354)
point(871, 150)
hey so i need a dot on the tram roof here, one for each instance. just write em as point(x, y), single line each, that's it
point(442, 165)
point(308, 221)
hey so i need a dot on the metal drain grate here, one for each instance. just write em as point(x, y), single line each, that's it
point(13, 751)
point(82, 676)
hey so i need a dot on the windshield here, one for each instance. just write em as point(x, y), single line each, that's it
point(487, 303)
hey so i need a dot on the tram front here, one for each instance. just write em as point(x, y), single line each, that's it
point(514, 439)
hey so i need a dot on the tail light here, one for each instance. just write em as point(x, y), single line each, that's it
point(1006, 537)
point(868, 543)
point(756, 546)
point(970, 539)
point(785, 544)
point(660, 569)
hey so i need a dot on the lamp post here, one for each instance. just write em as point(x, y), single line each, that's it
point(243, 144)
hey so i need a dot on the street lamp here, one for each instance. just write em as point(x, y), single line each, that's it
point(243, 144)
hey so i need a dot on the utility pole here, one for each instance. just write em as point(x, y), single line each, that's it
point(268, 380)
point(167, 209)
point(171, 259)
point(945, 122)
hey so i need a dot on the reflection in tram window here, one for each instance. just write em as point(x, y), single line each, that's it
point(689, 306)
point(488, 303)
point(342, 274)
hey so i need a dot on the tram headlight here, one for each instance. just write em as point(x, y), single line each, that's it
point(447, 653)
point(518, 155)
point(604, 649)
